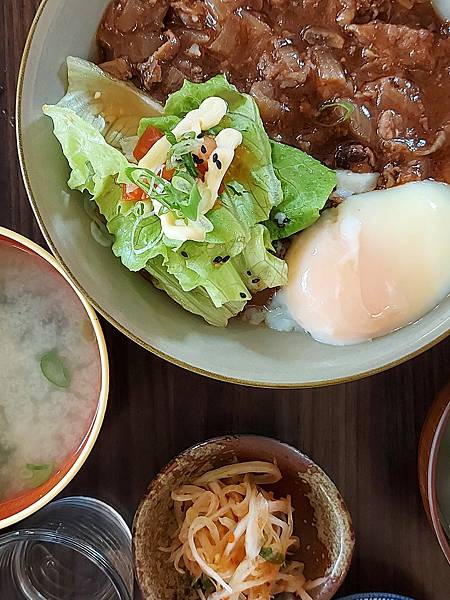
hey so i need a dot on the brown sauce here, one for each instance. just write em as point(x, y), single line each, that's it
point(389, 60)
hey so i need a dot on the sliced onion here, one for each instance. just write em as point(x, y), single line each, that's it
point(196, 526)
point(231, 520)
point(439, 142)
point(258, 514)
point(127, 145)
point(269, 473)
point(349, 183)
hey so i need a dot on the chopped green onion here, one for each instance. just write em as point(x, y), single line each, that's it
point(206, 585)
point(147, 180)
point(139, 209)
point(37, 474)
point(53, 368)
point(274, 557)
point(347, 107)
point(194, 202)
point(182, 182)
point(180, 155)
point(178, 197)
point(171, 138)
point(187, 161)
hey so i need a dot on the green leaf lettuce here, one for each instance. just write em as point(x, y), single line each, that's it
point(215, 278)
point(306, 185)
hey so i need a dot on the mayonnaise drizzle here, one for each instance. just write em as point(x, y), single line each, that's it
point(209, 114)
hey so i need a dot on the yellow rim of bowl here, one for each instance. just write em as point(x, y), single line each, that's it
point(103, 396)
point(119, 326)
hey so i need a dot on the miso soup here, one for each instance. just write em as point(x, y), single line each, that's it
point(50, 371)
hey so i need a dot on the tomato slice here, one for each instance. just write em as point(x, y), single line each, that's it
point(132, 192)
point(167, 174)
point(202, 169)
point(150, 136)
point(207, 147)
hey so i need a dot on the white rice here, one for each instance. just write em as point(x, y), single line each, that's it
point(278, 316)
point(275, 315)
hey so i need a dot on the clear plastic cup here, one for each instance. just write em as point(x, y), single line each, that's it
point(73, 549)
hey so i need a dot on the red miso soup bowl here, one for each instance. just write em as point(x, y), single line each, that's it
point(41, 482)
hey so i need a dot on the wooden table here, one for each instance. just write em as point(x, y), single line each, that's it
point(364, 434)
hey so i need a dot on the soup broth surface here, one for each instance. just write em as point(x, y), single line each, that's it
point(50, 373)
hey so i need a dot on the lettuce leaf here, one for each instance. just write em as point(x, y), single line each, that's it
point(218, 266)
point(91, 159)
point(197, 267)
point(214, 279)
point(306, 185)
point(197, 301)
point(258, 265)
point(138, 240)
point(164, 123)
point(113, 107)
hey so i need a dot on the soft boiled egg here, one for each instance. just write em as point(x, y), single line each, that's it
point(377, 262)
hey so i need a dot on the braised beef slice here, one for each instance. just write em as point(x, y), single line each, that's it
point(386, 59)
point(119, 68)
point(192, 13)
point(398, 45)
point(150, 71)
point(284, 65)
point(131, 28)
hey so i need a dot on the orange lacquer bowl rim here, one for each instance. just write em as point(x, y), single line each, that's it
point(29, 502)
point(431, 437)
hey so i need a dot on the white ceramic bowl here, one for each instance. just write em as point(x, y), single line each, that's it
point(28, 503)
point(240, 353)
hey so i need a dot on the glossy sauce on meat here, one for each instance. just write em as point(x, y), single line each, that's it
point(388, 60)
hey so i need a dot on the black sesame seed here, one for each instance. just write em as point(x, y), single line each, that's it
point(242, 295)
point(219, 164)
point(217, 260)
point(183, 253)
point(283, 223)
point(256, 280)
point(200, 135)
point(249, 273)
point(226, 258)
point(215, 157)
point(203, 148)
point(197, 160)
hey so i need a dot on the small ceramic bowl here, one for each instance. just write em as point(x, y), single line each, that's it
point(240, 353)
point(321, 519)
point(27, 503)
point(434, 468)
